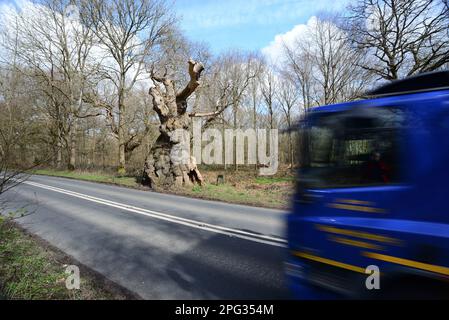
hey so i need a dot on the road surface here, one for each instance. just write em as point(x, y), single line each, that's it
point(159, 246)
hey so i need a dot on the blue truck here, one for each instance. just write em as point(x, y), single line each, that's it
point(373, 195)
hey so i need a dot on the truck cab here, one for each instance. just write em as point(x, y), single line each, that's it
point(372, 196)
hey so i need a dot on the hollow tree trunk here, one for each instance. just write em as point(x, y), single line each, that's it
point(168, 164)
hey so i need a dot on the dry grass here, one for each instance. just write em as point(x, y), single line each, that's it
point(243, 186)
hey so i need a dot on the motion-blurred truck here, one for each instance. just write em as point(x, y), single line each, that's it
point(372, 196)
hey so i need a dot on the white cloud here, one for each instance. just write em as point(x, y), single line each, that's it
point(273, 52)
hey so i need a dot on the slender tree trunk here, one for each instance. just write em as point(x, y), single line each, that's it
point(223, 134)
point(72, 148)
point(255, 129)
point(103, 156)
point(236, 166)
point(290, 147)
point(121, 152)
point(121, 132)
point(92, 154)
point(59, 155)
point(59, 150)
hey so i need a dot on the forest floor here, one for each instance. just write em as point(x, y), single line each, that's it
point(241, 187)
point(30, 268)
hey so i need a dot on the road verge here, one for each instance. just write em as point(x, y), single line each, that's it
point(264, 192)
point(32, 269)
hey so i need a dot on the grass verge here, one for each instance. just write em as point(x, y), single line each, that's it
point(31, 269)
point(240, 187)
point(262, 197)
point(90, 176)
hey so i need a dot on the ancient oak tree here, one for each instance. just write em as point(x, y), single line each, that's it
point(166, 164)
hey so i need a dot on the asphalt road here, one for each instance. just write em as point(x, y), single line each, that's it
point(157, 245)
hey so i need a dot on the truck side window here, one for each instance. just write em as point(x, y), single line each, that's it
point(352, 149)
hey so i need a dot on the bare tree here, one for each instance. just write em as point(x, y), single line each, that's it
point(54, 50)
point(404, 37)
point(256, 97)
point(298, 66)
point(287, 96)
point(268, 89)
point(19, 130)
point(128, 30)
point(238, 69)
point(324, 65)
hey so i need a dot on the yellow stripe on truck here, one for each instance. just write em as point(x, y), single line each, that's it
point(328, 261)
point(355, 208)
point(356, 243)
point(408, 263)
point(358, 234)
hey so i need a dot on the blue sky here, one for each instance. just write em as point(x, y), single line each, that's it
point(246, 24)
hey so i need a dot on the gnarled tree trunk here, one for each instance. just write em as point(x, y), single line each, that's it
point(166, 165)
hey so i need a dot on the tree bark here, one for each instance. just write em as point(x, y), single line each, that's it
point(121, 126)
point(72, 150)
point(121, 152)
point(290, 146)
point(167, 164)
point(235, 107)
point(58, 150)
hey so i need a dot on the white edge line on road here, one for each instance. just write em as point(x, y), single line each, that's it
point(269, 240)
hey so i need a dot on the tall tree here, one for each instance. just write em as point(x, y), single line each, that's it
point(268, 89)
point(20, 129)
point(128, 31)
point(255, 97)
point(324, 64)
point(287, 96)
point(54, 49)
point(298, 66)
point(404, 37)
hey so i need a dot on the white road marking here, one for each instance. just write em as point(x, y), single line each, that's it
point(260, 238)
